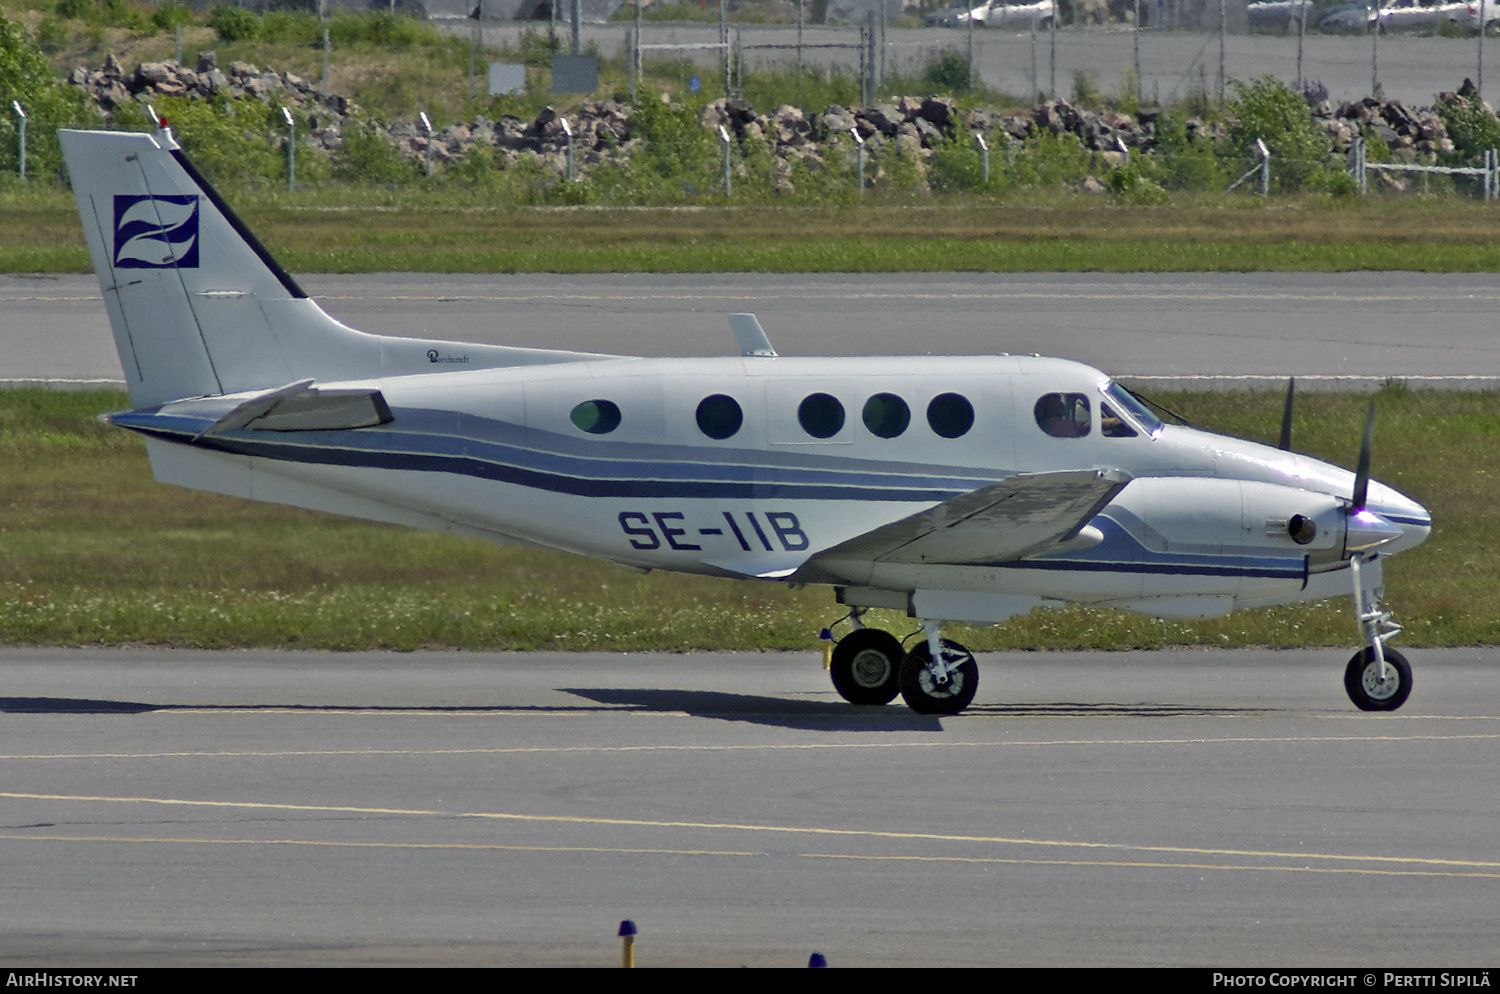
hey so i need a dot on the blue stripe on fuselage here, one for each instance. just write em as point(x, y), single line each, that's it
point(428, 442)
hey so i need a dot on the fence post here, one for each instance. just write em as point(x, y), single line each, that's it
point(21, 129)
point(724, 137)
point(800, 5)
point(724, 40)
point(326, 84)
point(859, 155)
point(1223, 28)
point(1034, 100)
point(427, 126)
point(971, 44)
point(291, 148)
point(1052, 57)
point(1301, 33)
point(1135, 36)
point(1265, 168)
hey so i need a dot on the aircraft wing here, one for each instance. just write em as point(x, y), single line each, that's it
point(1017, 517)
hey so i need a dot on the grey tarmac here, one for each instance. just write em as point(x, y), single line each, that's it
point(1196, 807)
point(1178, 328)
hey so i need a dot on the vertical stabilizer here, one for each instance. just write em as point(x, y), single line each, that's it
point(194, 300)
point(199, 307)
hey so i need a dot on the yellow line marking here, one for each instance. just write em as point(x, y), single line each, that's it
point(732, 826)
point(377, 845)
point(1165, 866)
point(485, 846)
point(785, 747)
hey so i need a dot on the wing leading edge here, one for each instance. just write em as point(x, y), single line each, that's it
point(1021, 516)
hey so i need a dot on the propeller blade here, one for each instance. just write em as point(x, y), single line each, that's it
point(1362, 469)
point(1286, 416)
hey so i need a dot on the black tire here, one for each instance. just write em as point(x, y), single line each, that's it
point(924, 696)
point(1364, 690)
point(866, 667)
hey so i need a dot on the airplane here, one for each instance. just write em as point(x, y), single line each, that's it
point(965, 489)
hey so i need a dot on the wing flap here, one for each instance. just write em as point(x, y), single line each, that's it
point(1020, 516)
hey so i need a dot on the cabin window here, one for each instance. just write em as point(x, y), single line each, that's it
point(886, 415)
point(950, 415)
point(1111, 425)
point(1063, 415)
point(719, 416)
point(821, 415)
point(597, 417)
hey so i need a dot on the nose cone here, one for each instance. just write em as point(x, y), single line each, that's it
point(1399, 510)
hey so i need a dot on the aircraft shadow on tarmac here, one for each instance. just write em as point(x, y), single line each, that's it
point(72, 705)
point(839, 717)
point(846, 718)
point(830, 716)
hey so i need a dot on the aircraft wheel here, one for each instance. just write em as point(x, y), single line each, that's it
point(1362, 680)
point(866, 667)
point(925, 695)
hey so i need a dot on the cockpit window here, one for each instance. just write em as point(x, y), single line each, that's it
point(1133, 409)
point(1063, 415)
point(1111, 425)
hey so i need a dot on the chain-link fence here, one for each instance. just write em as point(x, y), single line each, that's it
point(805, 119)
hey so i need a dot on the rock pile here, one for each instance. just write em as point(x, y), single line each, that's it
point(914, 127)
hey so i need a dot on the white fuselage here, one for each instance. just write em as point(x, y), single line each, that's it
point(496, 452)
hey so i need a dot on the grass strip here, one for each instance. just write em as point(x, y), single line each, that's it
point(93, 552)
point(452, 231)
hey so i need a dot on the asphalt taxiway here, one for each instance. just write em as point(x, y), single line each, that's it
point(1433, 329)
point(1187, 807)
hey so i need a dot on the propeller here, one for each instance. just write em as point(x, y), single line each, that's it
point(1364, 529)
point(1362, 468)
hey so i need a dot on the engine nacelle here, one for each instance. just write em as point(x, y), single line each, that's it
point(1197, 516)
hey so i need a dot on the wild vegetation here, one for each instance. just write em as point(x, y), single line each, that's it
point(386, 68)
point(92, 552)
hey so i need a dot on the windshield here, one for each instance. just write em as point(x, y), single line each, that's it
point(1134, 409)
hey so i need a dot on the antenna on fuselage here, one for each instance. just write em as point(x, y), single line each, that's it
point(749, 335)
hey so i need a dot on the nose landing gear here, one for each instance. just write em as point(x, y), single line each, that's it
point(1377, 678)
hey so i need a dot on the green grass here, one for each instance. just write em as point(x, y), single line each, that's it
point(452, 228)
point(93, 552)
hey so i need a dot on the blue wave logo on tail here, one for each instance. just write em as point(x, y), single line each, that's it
point(156, 232)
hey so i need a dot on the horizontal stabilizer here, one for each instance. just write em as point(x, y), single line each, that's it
point(1017, 517)
point(297, 406)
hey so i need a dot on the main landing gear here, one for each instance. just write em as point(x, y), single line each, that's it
point(1377, 678)
point(869, 666)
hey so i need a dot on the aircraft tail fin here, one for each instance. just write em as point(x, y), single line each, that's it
point(199, 307)
point(185, 283)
